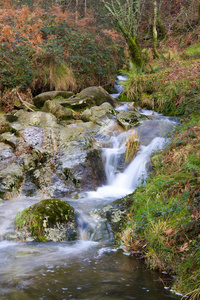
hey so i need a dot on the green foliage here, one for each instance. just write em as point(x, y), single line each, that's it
point(192, 51)
point(56, 54)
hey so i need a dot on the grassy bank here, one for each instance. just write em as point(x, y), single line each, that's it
point(164, 222)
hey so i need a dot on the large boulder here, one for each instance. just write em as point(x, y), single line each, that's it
point(79, 163)
point(48, 220)
point(57, 110)
point(89, 97)
point(40, 99)
point(128, 119)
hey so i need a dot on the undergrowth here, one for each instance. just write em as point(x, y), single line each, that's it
point(45, 51)
point(172, 84)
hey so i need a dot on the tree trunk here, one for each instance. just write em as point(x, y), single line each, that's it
point(162, 27)
point(76, 12)
point(155, 34)
point(199, 14)
point(134, 49)
point(85, 8)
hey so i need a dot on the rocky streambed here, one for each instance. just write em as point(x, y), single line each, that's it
point(62, 169)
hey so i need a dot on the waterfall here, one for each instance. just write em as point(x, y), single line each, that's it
point(123, 183)
point(118, 86)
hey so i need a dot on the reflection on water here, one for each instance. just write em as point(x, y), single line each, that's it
point(81, 271)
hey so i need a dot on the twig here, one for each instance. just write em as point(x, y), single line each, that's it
point(23, 103)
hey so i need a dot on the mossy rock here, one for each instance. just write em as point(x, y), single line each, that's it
point(48, 220)
point(40, 99)
point(60, 112)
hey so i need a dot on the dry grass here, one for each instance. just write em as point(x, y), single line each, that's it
point(132, 145)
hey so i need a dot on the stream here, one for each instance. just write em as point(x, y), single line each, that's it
point(88, 268)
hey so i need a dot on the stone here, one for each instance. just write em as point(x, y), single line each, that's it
point(60, 112)
point(97, 113)
point(40, 99)
point(78, 161)
point(133, 106)
point(89, 97)
point(128, 119)
point(6, 155)
point(49, 220)
point(10, 139)
point(110, 219)
point(11, 178)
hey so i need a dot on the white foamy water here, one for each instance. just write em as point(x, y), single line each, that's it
point(118, 86)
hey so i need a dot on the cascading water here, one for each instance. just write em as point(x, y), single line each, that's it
point(118, 86)
point(84, 269)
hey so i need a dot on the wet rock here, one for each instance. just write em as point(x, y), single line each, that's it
point(10, 139)
point(111, 218)
point(40, 99)
point(79, 163)
point(48, 220)
point(57, 110)
point(133, 106)
point(6, 155)
point(57, 160)
point(128, 119)
point(11, 178)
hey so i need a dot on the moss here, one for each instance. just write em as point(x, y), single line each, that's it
point(45, 214)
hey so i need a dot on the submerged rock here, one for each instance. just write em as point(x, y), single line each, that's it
point(40, 99)
point(48, 220)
